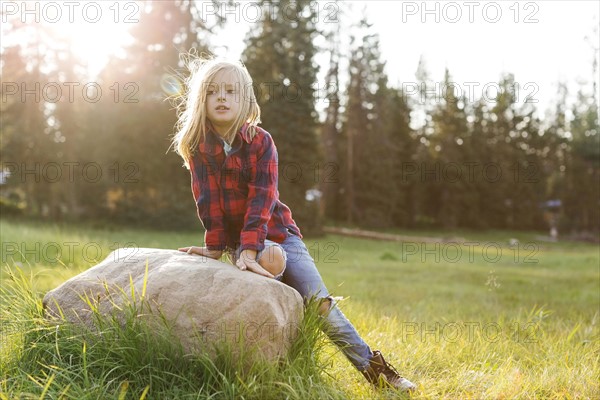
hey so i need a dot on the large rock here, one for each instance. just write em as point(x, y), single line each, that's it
point(208, 302)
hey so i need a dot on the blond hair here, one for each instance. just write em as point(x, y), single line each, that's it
point(191, 126)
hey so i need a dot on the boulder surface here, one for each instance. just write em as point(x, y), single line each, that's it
point(206, 302)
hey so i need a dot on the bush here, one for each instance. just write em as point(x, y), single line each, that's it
point(11, 206)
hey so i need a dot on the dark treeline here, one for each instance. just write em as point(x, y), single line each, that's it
point(469, 163)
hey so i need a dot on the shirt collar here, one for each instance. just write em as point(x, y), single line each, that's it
point(213, 143)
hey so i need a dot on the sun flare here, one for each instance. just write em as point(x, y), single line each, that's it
point(94, 44)
point(92, 31)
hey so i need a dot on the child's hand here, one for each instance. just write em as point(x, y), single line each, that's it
point(247, 261)
point(202, 251)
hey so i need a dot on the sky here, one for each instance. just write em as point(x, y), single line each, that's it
point(540, 42)
point(545, 44)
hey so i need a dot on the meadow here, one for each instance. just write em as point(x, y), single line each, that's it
point(486, 319)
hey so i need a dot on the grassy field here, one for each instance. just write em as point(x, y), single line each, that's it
point(481, 320)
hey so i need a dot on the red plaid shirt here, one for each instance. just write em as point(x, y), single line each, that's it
point(236, 195)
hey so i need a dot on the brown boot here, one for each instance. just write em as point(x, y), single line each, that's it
point(381, 374)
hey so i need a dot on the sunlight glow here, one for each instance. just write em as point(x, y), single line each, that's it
point(94, 44)
point(92, 31)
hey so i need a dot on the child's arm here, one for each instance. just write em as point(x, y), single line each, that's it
point(206, 195)
point(262, 194)
point(202, 251)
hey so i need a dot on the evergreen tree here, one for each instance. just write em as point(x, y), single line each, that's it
point(330, 179)
point(448, 157)
point(582, 198)
point(497, 158)
point(27, 147)
point(401, 139)
point(147, 185)
point(123, 136)
point(422, 204)
point(370, 136)
point(582, 194)
point(279, 56)
point(475, 143)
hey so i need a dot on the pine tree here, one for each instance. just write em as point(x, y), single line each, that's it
point(401, 139)
point(448, 156)
point(330, 180)
point(583, 167)
point(147, 185)
point(498, 158)
point(423, 207)
point(475, 143)
point(279, 56)
point(370, 157)
point(27, 146)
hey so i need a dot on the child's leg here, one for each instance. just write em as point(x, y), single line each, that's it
point(301, 273)
point(272, 258)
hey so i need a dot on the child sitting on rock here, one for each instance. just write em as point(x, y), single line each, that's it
point(233, 165)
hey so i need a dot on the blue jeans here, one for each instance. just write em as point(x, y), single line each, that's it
point(301, 273)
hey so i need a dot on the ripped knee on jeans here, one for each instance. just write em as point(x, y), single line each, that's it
point(326, 304)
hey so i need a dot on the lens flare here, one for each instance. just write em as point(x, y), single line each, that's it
point(170, 85)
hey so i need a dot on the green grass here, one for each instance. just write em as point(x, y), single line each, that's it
point(123, 357)
point(469, 325)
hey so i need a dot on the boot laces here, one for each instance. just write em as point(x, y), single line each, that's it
point(389, 371)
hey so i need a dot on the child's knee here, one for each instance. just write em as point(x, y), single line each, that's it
point(325, 305)
point(273, 260)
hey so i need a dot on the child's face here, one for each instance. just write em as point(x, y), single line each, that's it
point(223, 100)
